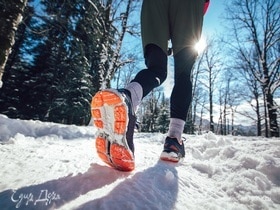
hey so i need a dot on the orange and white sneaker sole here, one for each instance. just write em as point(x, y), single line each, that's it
point(171, 157)
point(110, 116)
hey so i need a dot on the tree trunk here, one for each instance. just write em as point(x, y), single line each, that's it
point(259, 125)
point(10, 17)
point(211, 104)
point(273, 129)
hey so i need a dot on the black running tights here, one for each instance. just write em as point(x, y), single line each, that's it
point(156, 73)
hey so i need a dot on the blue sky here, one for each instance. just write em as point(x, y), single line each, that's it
point(213, 18)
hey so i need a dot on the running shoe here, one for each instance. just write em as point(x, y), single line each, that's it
point(173, 150)
point(115, 119)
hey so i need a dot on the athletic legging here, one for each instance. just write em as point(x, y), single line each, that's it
point(156, 73)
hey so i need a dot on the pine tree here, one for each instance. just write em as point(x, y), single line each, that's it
point(64, 81)
point(162, 121)
point(14, 93)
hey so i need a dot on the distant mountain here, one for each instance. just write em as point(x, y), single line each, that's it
point(242, 130)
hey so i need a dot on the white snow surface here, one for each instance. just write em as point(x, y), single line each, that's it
point(52, 166)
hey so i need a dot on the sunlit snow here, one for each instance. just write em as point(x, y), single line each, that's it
point(52, 166)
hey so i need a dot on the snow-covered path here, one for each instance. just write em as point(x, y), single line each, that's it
point(53, 166)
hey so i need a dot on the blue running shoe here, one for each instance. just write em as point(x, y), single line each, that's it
point(173, 151)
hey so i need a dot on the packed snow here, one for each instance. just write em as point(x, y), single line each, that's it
point(53, 166)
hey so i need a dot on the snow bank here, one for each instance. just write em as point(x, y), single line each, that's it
point(42, 169)
point(10, 127)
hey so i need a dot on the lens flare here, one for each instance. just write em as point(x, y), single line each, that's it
point(200, 45)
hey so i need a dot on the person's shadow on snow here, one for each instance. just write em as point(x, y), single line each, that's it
point(155, 188)
point(55, 193)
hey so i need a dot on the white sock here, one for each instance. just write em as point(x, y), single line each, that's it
point(176, 128)
point(136, 92)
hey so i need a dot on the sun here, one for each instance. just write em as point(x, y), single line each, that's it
point(200, 45)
